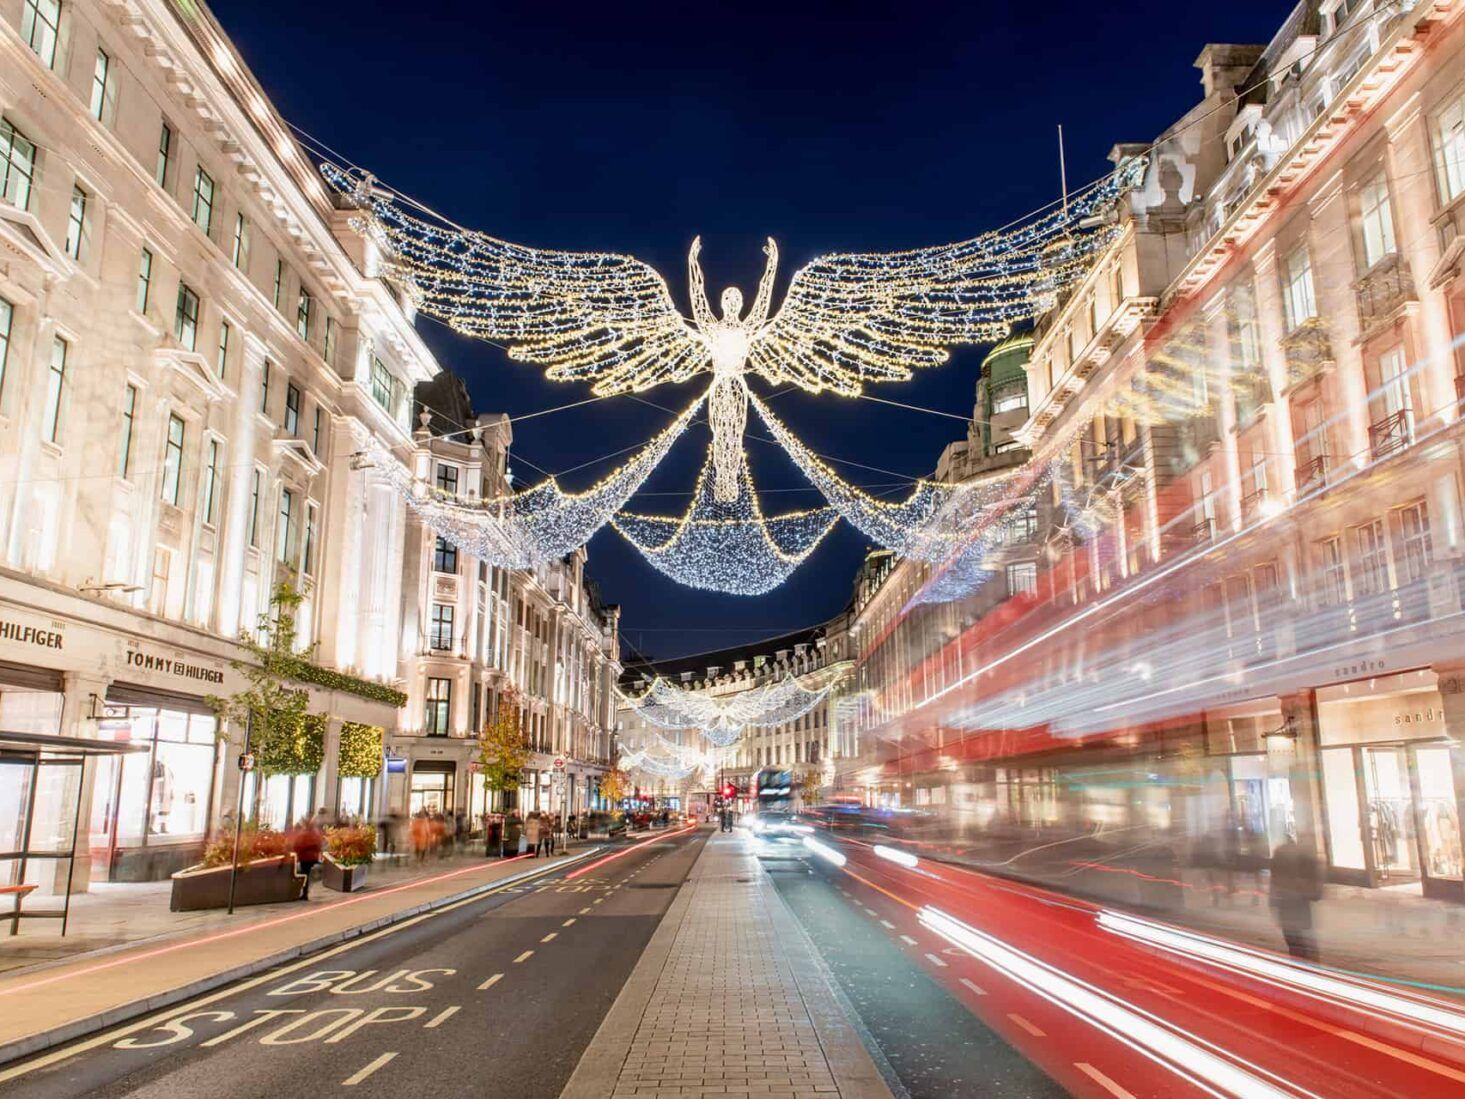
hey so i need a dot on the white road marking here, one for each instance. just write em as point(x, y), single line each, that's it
point(568, 922)
point(887, 925)
point(871, 912)
point(935, 959)
point(1031, 1028)
point(1103, 1081)
point(495, 979)
point(440, 1018)
point(584, 910)
point(357, 1077)
point(524, 956)
point(976, 989)
point(550, 937)
point(908, 940)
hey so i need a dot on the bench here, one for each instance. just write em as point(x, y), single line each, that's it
point(19, 892)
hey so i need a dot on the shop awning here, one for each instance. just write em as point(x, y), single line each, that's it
point(71, 745)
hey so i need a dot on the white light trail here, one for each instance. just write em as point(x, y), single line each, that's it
point(900, 858)
point(825, 852)
point(1185, 1054)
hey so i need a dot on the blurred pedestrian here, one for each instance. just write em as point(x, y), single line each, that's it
point(531, 834)
point(307, 841)
point(1297, 882)
point(421, 829)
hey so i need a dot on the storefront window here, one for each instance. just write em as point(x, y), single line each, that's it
point(1344, 832)
point(1390, 816)
point(432, 790)
point(1439, 818)
point(356, 796)
point(283, 799)
point(163, 794)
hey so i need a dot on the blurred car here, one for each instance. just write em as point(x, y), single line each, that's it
point(605, 826)
point(776, 824)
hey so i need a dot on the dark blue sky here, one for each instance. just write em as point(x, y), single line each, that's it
point(632, 127)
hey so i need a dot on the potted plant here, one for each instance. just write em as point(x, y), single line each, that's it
point(350, 849)
point(266, 872)
point(502, 754)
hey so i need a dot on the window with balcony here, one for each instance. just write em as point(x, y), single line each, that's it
point(1394, 429)
point(441, 632)
point(173, 461)
point(203, 200)
point(444, 556)
point(18, 166)
point(1376, 221)
point(439, 706)
point(1298, 295)
point(40, 28)
point(1022, 578)
point(185, 318)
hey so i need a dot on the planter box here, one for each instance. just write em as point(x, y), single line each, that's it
point(343, 879)
point(267, 881)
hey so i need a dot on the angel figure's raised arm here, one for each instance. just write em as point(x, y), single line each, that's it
point(697, 288)
point(764, 301)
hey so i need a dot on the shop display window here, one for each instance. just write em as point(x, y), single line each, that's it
point(162, 795)
point(1439, 814)
point(1345, 833)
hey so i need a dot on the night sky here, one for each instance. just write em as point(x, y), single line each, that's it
point(633, 127)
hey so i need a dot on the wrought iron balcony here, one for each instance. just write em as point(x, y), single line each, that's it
point(1391, 434)
point(1308, 349)
point(1205, 530)
point(1312, 473)
point(1380, 292)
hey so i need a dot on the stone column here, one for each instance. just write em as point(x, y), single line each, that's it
point(1218, 361)
point(239, 459)
point(82, 696)
point(1304, 768)
point(329, 795)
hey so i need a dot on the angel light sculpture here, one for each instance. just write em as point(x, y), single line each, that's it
point(847, 319)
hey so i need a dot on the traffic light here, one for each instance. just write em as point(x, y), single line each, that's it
point(729, 791)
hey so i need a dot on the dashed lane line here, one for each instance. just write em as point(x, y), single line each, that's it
point(356, 1077)
point(935, 959)
point(550, 937)
point(524, 956)
point(568, 922)
point(1103, 1081)
point(1031, 1028)
point(584, 910)
point(972, 987)
point(495, 979)
point(887, 925)
point(908, 940)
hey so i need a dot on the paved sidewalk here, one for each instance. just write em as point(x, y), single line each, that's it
point(727, 1000)
point(51, 1003)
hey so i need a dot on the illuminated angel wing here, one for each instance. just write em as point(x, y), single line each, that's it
point(850, 319)
point(590, 317)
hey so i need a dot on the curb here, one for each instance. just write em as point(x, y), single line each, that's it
point(38, 1043)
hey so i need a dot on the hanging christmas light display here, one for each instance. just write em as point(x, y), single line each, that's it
point(846, 320)
point(721, 719)
point(726, 546)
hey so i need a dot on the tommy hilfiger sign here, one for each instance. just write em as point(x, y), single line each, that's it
point(30, 635)
point(168, 666)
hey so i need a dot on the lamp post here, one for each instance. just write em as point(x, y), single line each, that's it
point(246, 765)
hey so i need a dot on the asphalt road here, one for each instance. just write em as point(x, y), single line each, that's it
point(932, 1044)
point(497, 995)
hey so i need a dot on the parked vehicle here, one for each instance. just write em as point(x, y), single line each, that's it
point(605, 826)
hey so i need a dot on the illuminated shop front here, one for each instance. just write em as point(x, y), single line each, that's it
point(1389, 783)
point(1248, 796)
point(432, 787)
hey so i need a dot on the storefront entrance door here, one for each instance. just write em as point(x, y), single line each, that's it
point(431, 789)
point(1390, 814)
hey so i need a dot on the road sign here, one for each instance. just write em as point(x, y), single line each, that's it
point(559, 763)
point(246, 761)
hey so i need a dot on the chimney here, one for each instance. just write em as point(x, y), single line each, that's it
point(1224, 65)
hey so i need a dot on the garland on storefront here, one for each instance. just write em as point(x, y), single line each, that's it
point(361, 753)
point(306, 672)
point(294, 748)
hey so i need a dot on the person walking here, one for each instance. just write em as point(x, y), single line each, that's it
point(1297, 882)
point(531, 835)
point(307, 843)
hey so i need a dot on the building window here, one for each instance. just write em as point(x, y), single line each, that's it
point(307, 561)
point(285, 538)
point(165, 155)
point(144, 280)
point(1297, 292)
point(302, 315)
point(1416, 546)
point(264, 388)
point(1449, 150)
point(292, 409)
point(254, 490)
point(203, 200)
point(447, 479)
point(76, 223)
point(330, 344)
point(315, 436)
point(129, 414)
point(173, 461)
point(383, 387)
point(279, 281)
point(7, 318)
point(221, 360)
point(185, 320)
point(1378, 221)
point(239, 248)
point(1334, 572)
point(101, 85)
point(439, 703)
point(1373, 562)
point(211, 474)
point(442, 627)
point(1009, 396)
point(1022, 578)
point(40, 26)
point(444, 556)
point(55, 389)
point(19, 166)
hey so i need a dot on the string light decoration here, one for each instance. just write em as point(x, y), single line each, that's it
point(846, 319)
point(542, 523)
point(722, 719)
point(726, 547)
